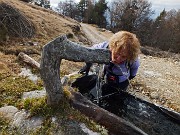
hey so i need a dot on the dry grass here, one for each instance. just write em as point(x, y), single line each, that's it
point(48, 25)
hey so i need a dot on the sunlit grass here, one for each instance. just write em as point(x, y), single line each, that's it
point(12, 88)
point(63, 113)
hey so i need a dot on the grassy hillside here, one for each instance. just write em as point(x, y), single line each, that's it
point(46, 25)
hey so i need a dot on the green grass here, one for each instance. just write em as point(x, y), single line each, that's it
point(11, 89)
point(3, 123)
point(64, 112)
point(5, 128)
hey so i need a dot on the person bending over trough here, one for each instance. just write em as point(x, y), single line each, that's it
point(124, 48)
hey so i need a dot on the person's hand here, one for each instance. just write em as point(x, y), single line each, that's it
point(85, 69)
point(109, 67)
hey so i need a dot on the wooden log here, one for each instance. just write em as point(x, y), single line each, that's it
point(28, 60)
point(113, 123)
point(34, 64)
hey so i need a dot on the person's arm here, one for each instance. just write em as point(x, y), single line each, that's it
point(102, 45)
point(85, 69)
point(134, 68)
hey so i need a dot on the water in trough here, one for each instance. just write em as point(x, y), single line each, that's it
point(151, 118)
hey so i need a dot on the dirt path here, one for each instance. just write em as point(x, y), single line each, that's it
point(159, 77)
point(94, 35)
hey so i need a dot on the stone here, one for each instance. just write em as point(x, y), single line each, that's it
point(34, 94)
point(24, 123)
point(154, 95)
point(8, 111)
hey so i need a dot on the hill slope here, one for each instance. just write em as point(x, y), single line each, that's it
point(158, 78)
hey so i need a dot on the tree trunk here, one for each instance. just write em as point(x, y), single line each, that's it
point(54, 52)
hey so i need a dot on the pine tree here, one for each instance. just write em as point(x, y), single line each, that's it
point(100, 9)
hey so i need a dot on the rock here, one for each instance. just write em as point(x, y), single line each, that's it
point(21, 119)
point(34, 94)
point(8, 111)
point(141, 88)
point(152, 74)
point(27, 72)
point(24, 123)
point(88, 131)
point(154, 95)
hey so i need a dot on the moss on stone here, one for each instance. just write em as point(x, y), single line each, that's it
point(64, 112)
point(11, 89)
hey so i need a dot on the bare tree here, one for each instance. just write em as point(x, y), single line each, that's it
point(88, 12)
point(68, 8)
point(85, 8)
point(129, 14)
